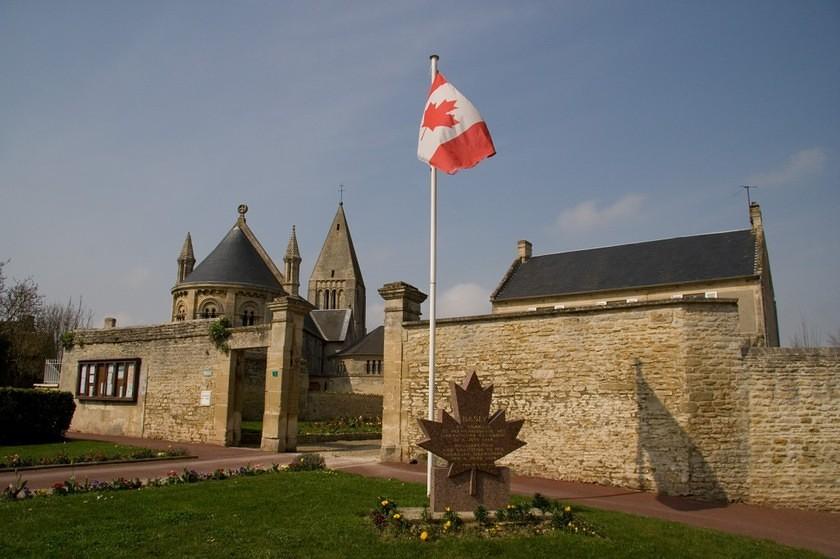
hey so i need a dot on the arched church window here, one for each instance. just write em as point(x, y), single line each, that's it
point(326, 299)
point(209, 309)
point(181, 313)
point(333, 300)
point(248, 316)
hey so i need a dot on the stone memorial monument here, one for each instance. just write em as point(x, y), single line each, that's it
point(471, 440)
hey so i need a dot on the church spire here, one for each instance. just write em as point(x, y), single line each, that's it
point(336, 281)
point(292, 260)
point(186, 260)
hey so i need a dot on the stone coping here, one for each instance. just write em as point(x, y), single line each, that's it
point(326, 438)
point(731, 304)
point(168, 330)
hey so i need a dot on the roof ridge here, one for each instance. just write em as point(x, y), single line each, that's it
point(644, 242)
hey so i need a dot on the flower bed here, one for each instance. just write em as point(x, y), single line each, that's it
point(19, 489)
point(537, 516)
point(78, 452)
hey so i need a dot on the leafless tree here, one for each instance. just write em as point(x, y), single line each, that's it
point(18, 301)
point(807, 336)
point(31, 331)
point(56, 319)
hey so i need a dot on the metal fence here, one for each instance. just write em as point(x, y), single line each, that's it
point(52, 371)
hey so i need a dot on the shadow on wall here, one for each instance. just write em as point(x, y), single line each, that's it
point(666, 452)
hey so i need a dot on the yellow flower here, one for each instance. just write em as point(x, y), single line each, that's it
point(567, 509)
point(510, 506)
point(448, 524)
point(384, 503)
point(397, 516)
point(448, 509)
point(424, 535)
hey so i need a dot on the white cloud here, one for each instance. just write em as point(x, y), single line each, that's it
point(799, 166)
point(587, 215)
point(464, 299)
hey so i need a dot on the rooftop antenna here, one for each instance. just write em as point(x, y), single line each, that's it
point(340, 194)
point(747, 188)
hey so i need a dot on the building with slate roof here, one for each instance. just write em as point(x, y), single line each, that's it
point(360, 365)
point(732, 264)
point(238, 279)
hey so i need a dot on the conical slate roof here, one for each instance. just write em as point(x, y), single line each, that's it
point(292, 250)
point(234, 260)
point(187, 249)
point(338, 253)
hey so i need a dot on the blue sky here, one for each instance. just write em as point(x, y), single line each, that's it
point(123, 125)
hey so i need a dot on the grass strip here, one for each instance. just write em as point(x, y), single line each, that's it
point(75, 452)
point(313, 514)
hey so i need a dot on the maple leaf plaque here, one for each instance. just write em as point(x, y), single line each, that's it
point(471, 439)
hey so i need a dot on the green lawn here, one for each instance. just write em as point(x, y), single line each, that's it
point(334, 427)
point(311, 514)
point(68, 452)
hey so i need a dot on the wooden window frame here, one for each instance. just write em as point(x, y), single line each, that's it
point(108, 380)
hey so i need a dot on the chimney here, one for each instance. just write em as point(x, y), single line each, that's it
point(755, 219)
point(110, 322)
point(524, 250)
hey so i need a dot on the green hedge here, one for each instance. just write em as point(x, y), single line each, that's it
point(34, 416)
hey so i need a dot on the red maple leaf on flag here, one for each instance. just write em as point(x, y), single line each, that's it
point(438, 115)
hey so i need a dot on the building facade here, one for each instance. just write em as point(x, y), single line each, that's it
point(733, 264)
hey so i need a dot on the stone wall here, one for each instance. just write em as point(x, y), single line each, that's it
point(653, 395)
point(322, 406)
point(178, 363)
point(794, 426)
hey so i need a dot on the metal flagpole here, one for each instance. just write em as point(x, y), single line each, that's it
point(432, 295)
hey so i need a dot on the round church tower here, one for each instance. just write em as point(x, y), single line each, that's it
point(236, 280)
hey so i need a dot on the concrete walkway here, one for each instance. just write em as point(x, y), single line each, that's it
point(811, 530)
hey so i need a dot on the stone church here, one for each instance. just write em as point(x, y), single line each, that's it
point(283, 356)
point(238, 279)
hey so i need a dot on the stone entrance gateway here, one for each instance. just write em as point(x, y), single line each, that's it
point(281, 395)
point(183, 387)
point(285, 377)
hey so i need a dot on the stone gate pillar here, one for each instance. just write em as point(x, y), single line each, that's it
point(402, 304)
point(282, 374)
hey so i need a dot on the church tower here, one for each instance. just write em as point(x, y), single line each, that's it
point(336, 281)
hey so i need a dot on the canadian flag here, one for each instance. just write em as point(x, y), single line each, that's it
point(453, 135)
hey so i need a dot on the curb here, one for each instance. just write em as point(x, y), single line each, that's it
point(101, 463)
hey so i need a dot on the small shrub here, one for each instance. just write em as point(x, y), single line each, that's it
point(219, 334)
point(451, 522)
point(34, 416)
point(540, 502)
point(308, 461)
point(16, 490)
point(68, 340)
point(482, 516)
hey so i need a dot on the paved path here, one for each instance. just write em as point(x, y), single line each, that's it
point(812, 530)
